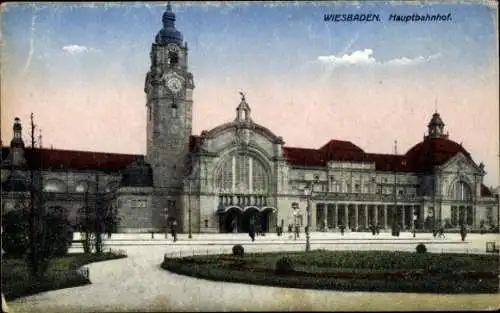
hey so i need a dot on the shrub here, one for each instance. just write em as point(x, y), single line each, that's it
point(284, 266)
point(238, 250)
point(15, 237)
point(421, 248)
point(15, 233)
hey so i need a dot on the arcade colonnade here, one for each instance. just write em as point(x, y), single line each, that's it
point(362, 216)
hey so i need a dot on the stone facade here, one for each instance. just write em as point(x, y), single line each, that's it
point(241, 171)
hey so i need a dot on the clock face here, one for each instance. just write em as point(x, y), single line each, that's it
point(174, 84)
point(172, 47)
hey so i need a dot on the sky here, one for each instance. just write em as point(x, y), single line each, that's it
point(80, 68)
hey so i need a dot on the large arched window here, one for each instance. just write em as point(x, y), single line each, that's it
point(242, 173)
point(54, 185)
point(460, 191)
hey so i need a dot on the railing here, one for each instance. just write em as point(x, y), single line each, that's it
point(243, 199)
point(339, 196)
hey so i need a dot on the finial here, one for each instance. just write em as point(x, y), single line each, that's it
point(169, 6)
point(435, 105)
point(242, 96)
point(395, 147)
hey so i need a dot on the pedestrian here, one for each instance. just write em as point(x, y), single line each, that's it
point(342, 229)
point(463, 232)
point(372, 228)
point(441, 232)
point(297, 231)
point(251, 230)
point(173, 229)
point(233, 226)
point(109, 234)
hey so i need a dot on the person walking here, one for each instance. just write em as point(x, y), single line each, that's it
point(342, 229)
point(173, 229)
point(463, 232)
point(441, 232)
point(297, 231)
point(251, 230)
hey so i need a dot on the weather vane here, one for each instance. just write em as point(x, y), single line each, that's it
point(242, 96)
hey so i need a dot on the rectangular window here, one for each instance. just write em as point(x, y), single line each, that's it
point(469, 216)
point(454, 215)
point(367, 188)
point(357, 188)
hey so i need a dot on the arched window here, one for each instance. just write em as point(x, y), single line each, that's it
point(242, 173)
point(460, 191)
point(54, 186)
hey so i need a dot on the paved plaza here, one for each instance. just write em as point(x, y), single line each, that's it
point(137, 283)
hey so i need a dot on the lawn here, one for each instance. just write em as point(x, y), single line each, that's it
point(62, 273)
point(351, 270)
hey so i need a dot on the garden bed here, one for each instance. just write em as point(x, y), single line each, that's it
point(351, 271)
point(62, 273)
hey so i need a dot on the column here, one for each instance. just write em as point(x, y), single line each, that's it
point(385, 215)
point(346, 216)
point(366, 215)
point(335, 216)
point(403, 216)
point(326, 216)
point(356, 216)
point(375, 213)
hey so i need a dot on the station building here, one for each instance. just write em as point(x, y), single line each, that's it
point(239, 171)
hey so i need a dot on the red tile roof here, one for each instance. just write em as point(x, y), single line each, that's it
point(433, 151)
point(78, 160)
point(420, 158)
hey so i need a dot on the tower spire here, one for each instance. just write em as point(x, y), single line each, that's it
point(169, 34)
point(243, 110)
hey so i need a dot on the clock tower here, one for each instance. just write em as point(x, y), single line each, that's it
point(169, 89)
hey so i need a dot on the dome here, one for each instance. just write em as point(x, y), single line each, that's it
point(169, 34)
point(15, 182)
point(432, 152)
point(137, 174)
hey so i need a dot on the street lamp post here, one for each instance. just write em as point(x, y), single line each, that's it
point(308, 190)
point(190, 235)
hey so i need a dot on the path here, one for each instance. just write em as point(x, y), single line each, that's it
point(137, 283)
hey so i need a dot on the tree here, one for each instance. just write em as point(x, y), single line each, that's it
point(97, 217)
point(57, 234)
point(15, 238)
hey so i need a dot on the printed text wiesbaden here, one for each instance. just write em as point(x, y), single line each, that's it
point(398, 18)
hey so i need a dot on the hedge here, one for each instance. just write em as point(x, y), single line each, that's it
point(351, 271)
point(62, 273)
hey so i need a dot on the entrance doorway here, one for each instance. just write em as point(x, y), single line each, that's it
point(251, 214)
point(231, 221)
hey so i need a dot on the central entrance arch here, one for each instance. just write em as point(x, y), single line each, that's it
point(230, 220)
point(251, 214)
